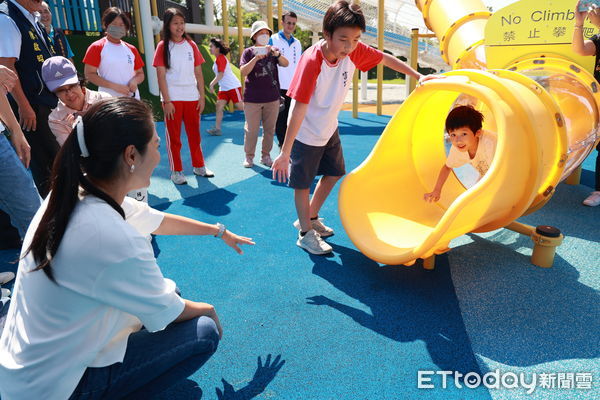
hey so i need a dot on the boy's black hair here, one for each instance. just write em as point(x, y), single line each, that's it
point(343, 14)
point(462, 116)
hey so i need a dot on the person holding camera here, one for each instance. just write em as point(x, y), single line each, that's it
point(258, 66)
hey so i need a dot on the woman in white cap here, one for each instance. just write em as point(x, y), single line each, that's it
point(60, 76)
point(261, 93)
point(92, 315)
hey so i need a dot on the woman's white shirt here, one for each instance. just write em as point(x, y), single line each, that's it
point(107, 286)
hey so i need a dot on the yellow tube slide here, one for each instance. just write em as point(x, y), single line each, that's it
point(381, 202)
point(544, 111)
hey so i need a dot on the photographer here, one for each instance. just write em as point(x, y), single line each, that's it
point(261, 94)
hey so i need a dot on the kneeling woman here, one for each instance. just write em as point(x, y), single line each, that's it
point(92, 315)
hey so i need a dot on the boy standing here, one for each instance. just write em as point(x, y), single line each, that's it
point(312, 140)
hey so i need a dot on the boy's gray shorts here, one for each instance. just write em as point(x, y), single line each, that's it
point(310, 161)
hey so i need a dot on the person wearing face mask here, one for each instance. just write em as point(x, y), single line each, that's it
point(258, 66)
point(56, 35)
point(112, 64)
point(60, 76)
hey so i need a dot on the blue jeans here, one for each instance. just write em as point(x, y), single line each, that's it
point(19, 197)
point(153, 362)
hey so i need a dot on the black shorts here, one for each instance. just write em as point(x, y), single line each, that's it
point(310, 161)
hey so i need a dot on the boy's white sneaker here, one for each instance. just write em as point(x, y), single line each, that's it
point(313, 243)
point(203, 171)
point(6, 277)
point(5, 292)
point(318, 225)
point(178, 178)
point(593, 199)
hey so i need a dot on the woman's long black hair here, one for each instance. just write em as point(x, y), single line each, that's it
point(168, 16)
point(109, 127)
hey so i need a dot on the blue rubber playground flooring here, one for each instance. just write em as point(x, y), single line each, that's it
point(298, 326)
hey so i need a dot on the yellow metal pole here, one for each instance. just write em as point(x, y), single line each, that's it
point(355, 88)
point(380, 27)
point(138, 26)
point(270, 13)
point(238, 5)
point(155, 13)
point(414, 57)
point(575, 177)
point(279, 14)
point(225, 22)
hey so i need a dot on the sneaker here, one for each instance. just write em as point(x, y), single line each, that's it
point(593, 199)
point(214, 131)
point(266, 160)
point(248, 163)
point(5, 292)
point(178, 178)
point(203, 171)
point(313, 243)
point(323, 230)
point(6, 277)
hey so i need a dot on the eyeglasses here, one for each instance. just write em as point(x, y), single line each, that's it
point(65, 89)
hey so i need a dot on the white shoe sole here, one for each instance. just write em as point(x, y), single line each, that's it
point(323, 235)
point(317, 253)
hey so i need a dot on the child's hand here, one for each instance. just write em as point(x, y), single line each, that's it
point(425, 78)
point(432, 197)
point(281, 168)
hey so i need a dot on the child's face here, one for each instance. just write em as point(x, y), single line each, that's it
point(343, 41)
point(177, 27)
point(464, 139)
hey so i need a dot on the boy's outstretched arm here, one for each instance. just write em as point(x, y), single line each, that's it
point(437, 191)
point(398, 65)
point(281, 164)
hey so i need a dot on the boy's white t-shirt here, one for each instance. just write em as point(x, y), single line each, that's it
point(323, 86)
point(229, 80)
point(107, 285)
point(483, 157)
point(115, 62)
point(181, 80)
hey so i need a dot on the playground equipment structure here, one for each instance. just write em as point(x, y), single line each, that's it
point(538, 98)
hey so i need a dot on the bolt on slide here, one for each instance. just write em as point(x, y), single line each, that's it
point(541, 104)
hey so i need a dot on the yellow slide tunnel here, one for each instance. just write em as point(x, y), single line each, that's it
point(460, 27)
point(381, 202)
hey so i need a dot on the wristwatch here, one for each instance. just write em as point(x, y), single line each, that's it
point(222, 230)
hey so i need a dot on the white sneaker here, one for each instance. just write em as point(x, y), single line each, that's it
point(203, 171)
point(178, 178)
point(248, 163)
point(593, 199)
point(6, 277)
point(5, 292)
point(266, 160)
point(313, 243)
point(317, 224)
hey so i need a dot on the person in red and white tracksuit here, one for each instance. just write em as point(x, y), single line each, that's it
point(230, 88)
point(178, 64)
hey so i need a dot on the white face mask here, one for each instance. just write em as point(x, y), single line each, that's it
point(262, 40)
